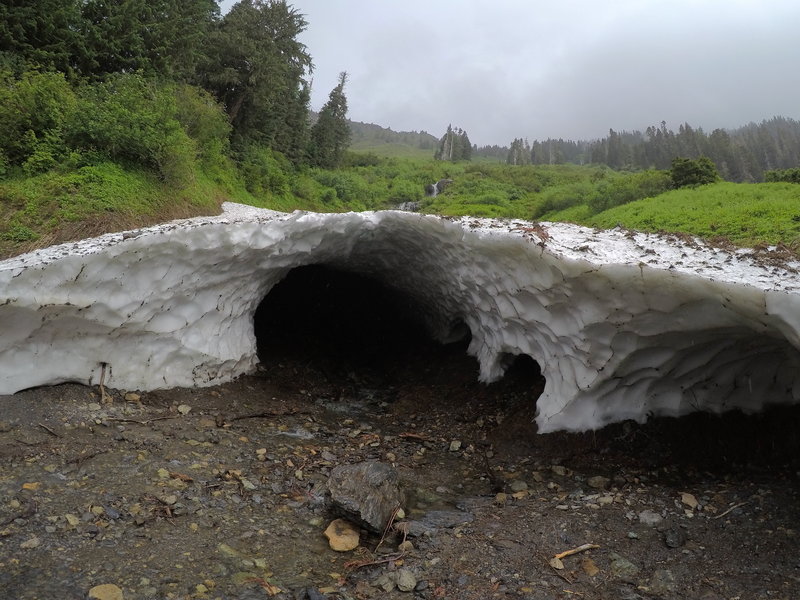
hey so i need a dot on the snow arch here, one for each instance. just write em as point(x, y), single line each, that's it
point(623, 325)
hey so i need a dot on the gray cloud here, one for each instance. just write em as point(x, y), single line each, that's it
point(569, 69)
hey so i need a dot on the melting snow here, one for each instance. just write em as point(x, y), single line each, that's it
point(624, 325)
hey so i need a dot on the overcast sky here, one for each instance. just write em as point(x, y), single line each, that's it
point(502, 69)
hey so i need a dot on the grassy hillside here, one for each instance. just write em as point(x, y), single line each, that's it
point(382, 141)
point(389, 149)
point(746, 214)
point(69, 203)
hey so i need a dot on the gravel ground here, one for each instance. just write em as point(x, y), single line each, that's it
point(220, 492)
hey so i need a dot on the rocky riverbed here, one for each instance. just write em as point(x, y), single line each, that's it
point(222, 492)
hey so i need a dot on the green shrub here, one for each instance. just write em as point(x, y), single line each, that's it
point(18, 233)
point(687, 172)
point(133, 119)
point(785, 175)
point(205, 121)
point(565, 196)
point(329, 196)
point(349, 187)
point(404, 191)
point(492, 199)
point(630, 187)
point(33, 113)
point(361, 159)
point(265, 172)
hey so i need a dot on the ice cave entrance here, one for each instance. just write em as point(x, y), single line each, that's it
point(347, 324)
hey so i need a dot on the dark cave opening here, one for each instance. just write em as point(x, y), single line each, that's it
point(343, 321)
point(355, 332)
point(318, 311)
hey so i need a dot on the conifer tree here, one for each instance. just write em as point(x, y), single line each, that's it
point(256, 68)
point(330, 135)
point(454, 145)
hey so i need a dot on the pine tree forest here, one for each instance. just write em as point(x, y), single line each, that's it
point(744, 154)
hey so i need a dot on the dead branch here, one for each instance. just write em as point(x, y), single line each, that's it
point(145, 421)
point(386, 529)
point(104, 398)
point(269, 413)
point(48, 430)
point(577, 550)
point(734, 507)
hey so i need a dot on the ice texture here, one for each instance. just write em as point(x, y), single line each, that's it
point(624, 325)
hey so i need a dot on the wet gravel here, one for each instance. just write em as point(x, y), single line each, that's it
point(220, 492)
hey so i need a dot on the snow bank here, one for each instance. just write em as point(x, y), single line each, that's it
point(623, 325)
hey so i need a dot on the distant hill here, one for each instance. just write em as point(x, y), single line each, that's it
point(368, 137)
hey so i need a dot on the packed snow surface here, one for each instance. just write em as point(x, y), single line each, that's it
point(624, 325)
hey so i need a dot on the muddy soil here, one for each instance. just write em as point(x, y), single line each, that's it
point(220, 492)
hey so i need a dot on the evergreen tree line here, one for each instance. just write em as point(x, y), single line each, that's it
point(454, 145)
point(745, 154)
point(236, 82)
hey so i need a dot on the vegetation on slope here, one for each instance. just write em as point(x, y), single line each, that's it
point(744, 214)
point(118, 115)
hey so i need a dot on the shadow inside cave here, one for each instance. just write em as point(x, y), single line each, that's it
point(354, 332)
point(341, 321)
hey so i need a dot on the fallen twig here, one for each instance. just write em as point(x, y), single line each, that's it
point(734, 507)
point(84, 457)
point(414, 436)
point(104, 398)
point(145, 422)
point(388, 526)
point(270, 589)
point(48, 430)
point(269, 413)
point(577, 550)
point(358, 564)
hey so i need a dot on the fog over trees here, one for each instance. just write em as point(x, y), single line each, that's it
point(742, 155)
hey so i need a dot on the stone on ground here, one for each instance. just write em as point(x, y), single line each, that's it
point(367, 493)
point(342, 535)
point(105, 591)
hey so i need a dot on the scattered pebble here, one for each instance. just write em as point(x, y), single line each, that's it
point(106, 591)
point(406, 582)
point(650, 518)
point(598, 482)
point(342, 535)
point(689, 500)
point(518, 485)
point(663, 583)
point(622, 568)
point(31, 543)
point(675, 537)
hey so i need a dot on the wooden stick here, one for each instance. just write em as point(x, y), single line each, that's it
point(103, 395)
point(734, 507)
point(48, 430)
point(577, 550)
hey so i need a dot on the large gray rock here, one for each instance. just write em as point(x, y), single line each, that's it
point(366, 493)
